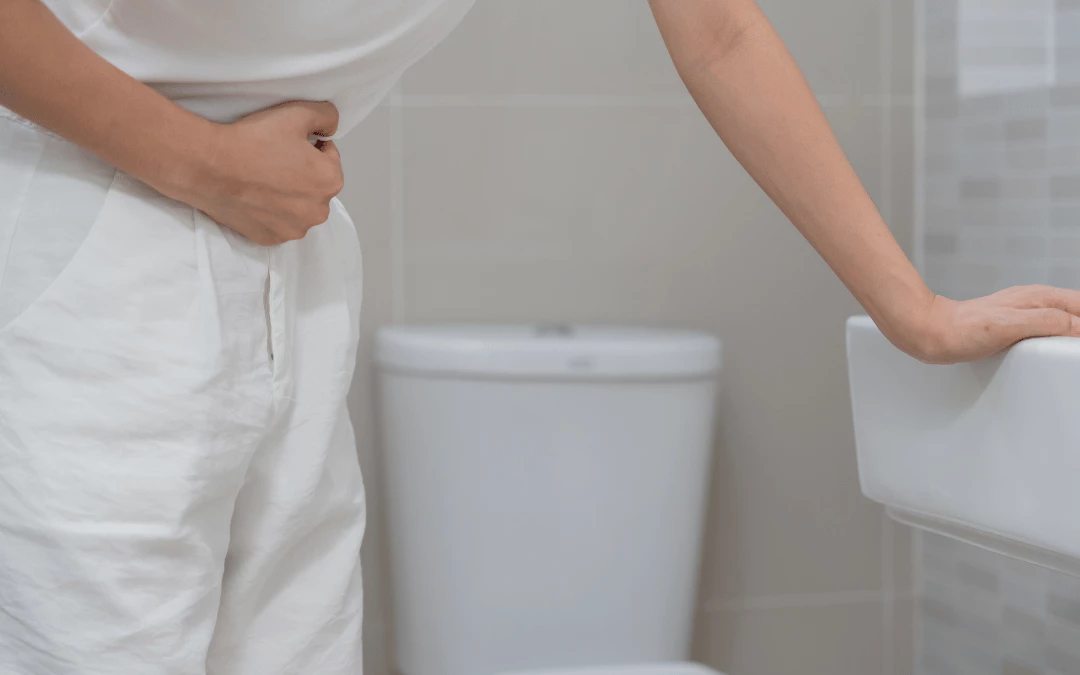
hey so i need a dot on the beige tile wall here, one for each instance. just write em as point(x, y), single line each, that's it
point(1000, 209)
point(545, 163)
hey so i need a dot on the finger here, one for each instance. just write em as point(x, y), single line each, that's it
point(330, 149)
point(321, 117)
point(311, 118)
point(1045, 323)
point(1048, 297)
point(332, 176)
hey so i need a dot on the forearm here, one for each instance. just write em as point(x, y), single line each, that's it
point(50, 77)
point(750, 89)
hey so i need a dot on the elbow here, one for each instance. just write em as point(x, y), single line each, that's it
point(703, 35)
point(726, 38)
point(732, 38)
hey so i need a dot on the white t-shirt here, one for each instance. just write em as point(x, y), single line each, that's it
point(223, 59)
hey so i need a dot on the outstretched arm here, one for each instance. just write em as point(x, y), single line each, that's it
point(747, 84)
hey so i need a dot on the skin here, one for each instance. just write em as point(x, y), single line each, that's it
point(261, 177)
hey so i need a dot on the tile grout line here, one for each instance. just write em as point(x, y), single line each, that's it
point(888, 580)
point(1047, 229)
point(799, 600)
point(919, 256)
point(827, 100)
point(888, 604)
point(919, 149)
point(397, 206)
point(918, 581)
point(542, 100)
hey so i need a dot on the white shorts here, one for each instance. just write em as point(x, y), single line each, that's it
point(179, 487)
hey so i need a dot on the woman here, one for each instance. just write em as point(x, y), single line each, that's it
point(179, 303)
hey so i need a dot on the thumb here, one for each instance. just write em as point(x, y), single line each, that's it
point(330, 149)
point(320, 118)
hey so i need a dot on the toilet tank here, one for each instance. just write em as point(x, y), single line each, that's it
point(546, 489)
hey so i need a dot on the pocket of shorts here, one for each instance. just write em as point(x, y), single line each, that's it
point(42, 213)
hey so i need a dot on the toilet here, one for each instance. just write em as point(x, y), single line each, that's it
point(545, 493)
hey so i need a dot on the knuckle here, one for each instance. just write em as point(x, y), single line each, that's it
point(1010, 295)
point(287, 231)
point(1052, 320)
point(323, 213)
point(1036, 295)
point(315, 215)
point(328, 181)
point(331, 185)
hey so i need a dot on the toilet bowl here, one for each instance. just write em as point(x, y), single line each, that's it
point(545, 493)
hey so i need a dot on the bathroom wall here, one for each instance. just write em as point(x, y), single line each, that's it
point(1000, 206)
point(1001, 165)
point(546, 164)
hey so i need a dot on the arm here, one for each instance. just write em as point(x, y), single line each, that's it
point(259, 176)
point(748, 86)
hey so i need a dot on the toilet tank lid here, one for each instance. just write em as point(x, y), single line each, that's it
point(635, 669)
point(547, 351)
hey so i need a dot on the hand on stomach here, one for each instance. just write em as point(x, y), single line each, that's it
point(265, 179)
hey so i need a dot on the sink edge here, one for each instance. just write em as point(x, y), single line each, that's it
point(984, 452)
point(1035, 555)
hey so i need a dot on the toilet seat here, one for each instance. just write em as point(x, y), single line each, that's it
point(675, 668)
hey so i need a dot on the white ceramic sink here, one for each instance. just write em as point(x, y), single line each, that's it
point(987, 452)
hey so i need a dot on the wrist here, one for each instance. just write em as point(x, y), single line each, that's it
point(915, 324)
point(191, 166)
point(930, 330)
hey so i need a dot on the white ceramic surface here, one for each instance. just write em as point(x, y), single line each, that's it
point(988, 452)
point(673, 668)
point(547, 350)
point(548, 520)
